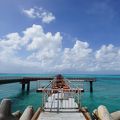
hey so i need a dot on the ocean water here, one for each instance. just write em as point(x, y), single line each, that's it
point(106, 91)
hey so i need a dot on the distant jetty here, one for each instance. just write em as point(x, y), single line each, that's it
point(25, 81)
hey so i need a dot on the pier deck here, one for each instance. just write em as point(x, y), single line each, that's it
point(61, 116)
point(26, 80)
point(61, 106)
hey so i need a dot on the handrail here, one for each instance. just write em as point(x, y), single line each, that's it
point(52, 103)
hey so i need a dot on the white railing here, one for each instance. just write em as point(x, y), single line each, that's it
point(61, 100)
point(56, 100)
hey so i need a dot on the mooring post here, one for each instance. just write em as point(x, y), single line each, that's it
point(91, 86)
point(28, 86)
point(23, 86)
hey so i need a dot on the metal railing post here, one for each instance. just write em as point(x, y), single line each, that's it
point(58, 103)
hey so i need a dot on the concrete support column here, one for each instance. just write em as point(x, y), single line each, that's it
point(23, 86)
point(91, 86)
point(28, 86)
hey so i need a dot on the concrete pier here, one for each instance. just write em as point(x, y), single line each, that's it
point(61, 101)
point(26, 81)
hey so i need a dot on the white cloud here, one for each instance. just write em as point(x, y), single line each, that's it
point(30, 13)
point(40, 51)
point(108, 57)
point(47, 17)
point(76, 56)
point(41, 13)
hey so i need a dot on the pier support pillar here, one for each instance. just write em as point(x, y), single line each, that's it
point(25, 82)
point(23, 87)
point(28, 86)
point(91, 86)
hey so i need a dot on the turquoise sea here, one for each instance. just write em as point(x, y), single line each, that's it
point(106, 92)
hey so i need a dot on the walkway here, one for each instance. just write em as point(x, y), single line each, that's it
point(61, 106)
point(61, 116)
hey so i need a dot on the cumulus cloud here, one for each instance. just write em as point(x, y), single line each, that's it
point(38, 51)
point(30, 13)
point(41, 13)
point(108, 57)
point(75, 57)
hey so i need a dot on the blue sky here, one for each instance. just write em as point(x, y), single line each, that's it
point(95, 22)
